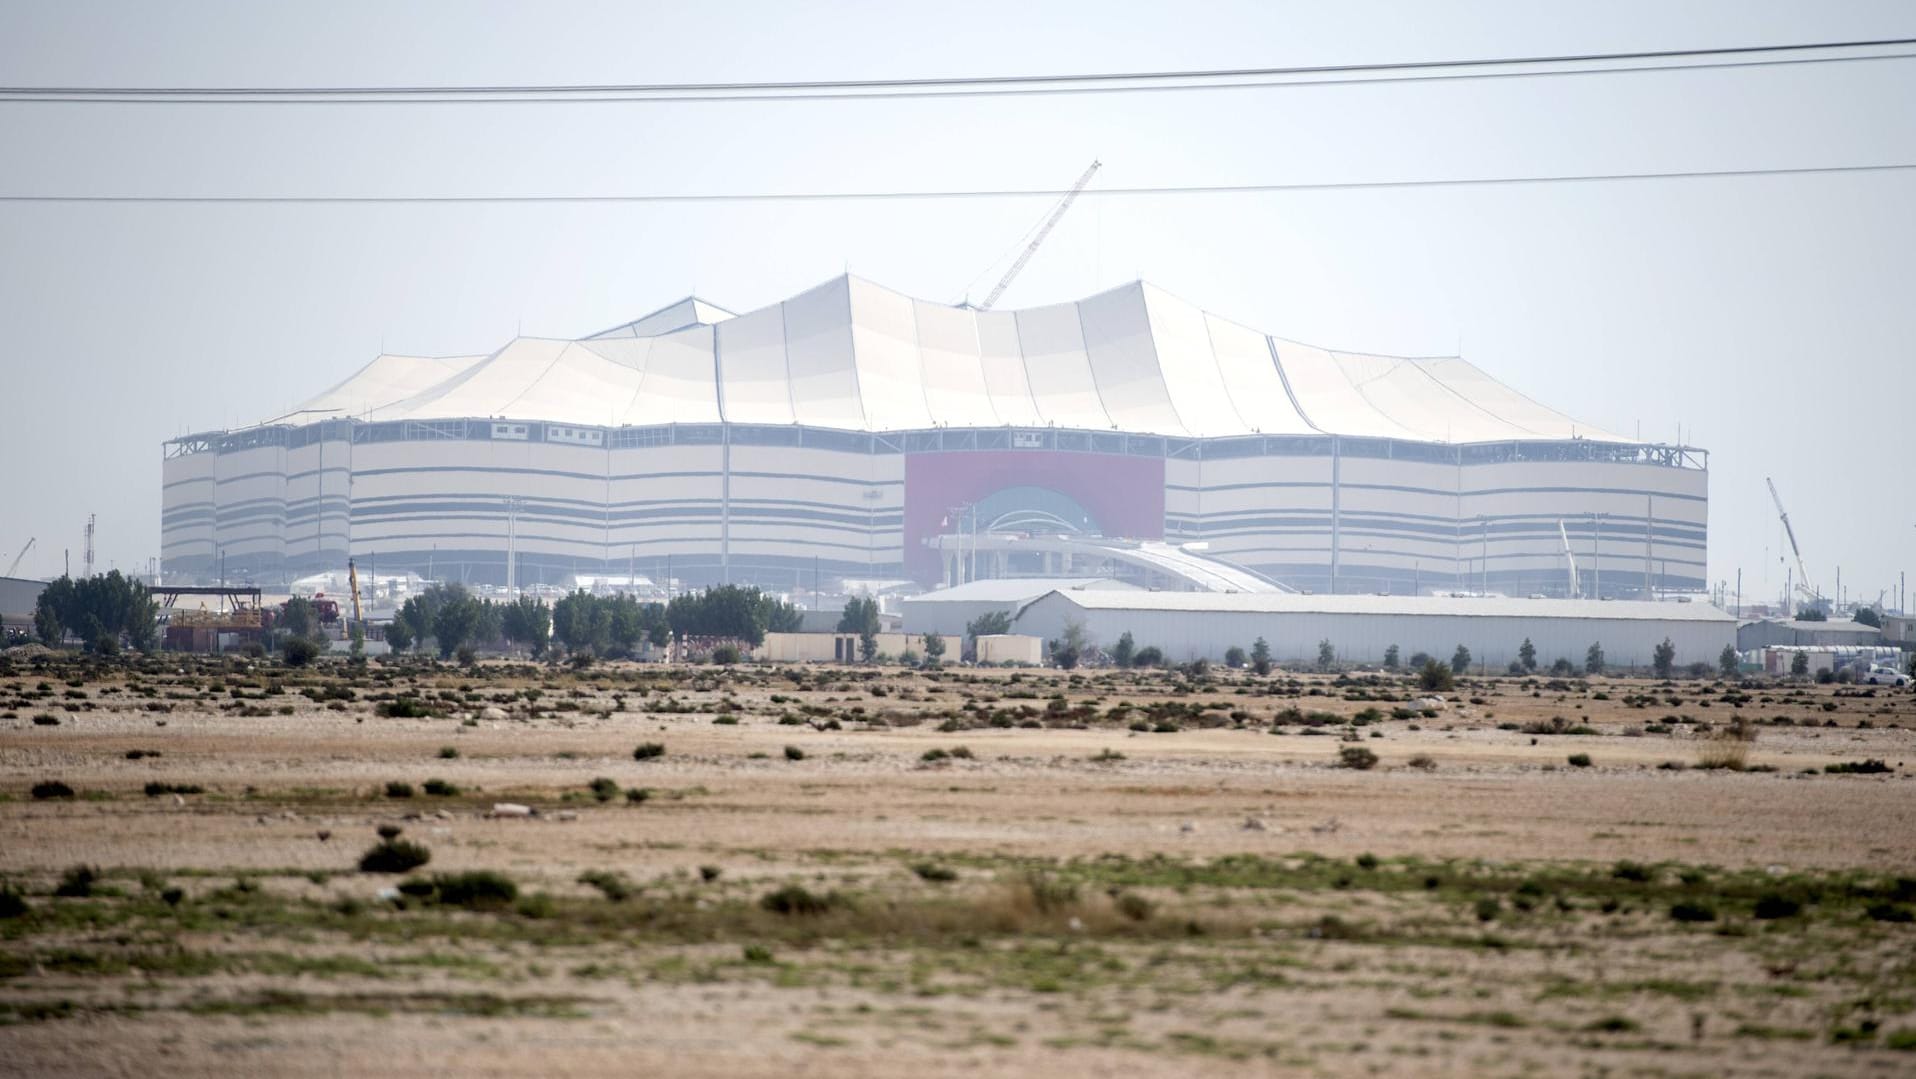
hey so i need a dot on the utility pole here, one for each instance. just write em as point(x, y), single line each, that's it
point(1739, 591)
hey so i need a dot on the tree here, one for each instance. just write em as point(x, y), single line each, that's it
point(1435, 677)
point(98, 610)
point(729, 610)
point(1234, 657)
point(456, 619)
point(527, 621)
point(1125, 650)
point(989, 624)
point(1148, 656)
point(399, 634)
point(1800, 664)
point(1663, 660)
point(1812, 613)
point(1390, 658)
point(861, 617)
point(1727, 661)
point(934, 649)
point(1593, 659)
point(1260, 656)
point(1075, 637)
point(1527, 655)
point(299, 650)
point(1867, 616)
point(1063, 654)
point(1326, 654)
point(1460, 660)
point(296, 617)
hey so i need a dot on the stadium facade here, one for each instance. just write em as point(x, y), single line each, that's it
point(840, 431)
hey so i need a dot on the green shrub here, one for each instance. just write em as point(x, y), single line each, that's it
point(1488, 908)
point(155, 788)
point(448, 753)
point(405, 708)
point(396, 789)
point(637, 795)
point(1872, 766)
point(648, 750)
point(935, 873)
point(1690, 911)
point(77, 882)
point(1579, 760)
point(1357, 757)
point(795, 899)
point(394, 856)
point(46, 719)
point(610, 884)
point(1889, 912)
point(709, 873)
point(298, 651)
point(1435, 677)
point(793, 753)
point(604, 788)
point(757, 953)
point(1634, 872)
point(1135, 907)
point(51, 788)
point(439, 788)
point(475, 889)
point(1772, 905)
point(12, 904)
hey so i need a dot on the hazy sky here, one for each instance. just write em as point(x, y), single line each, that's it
point(1772, 318)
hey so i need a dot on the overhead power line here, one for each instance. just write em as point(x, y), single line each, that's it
point(1550, 65)
point(969, 193)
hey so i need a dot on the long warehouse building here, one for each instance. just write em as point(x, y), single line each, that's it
point(843, 430)
point(1360, 629)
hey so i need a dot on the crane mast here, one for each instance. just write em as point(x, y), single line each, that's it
point(1032, 248)
point(1576, 588)
point(1802, 571)
point(22, 554)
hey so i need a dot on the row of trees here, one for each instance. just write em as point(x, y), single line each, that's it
point(453, 618)
point(99, 610)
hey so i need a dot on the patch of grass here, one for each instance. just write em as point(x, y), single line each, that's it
point(796, 899)
point(612, 885)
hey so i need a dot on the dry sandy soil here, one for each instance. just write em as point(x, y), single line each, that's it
point(1067, 895)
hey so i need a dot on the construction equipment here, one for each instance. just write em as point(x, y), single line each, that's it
point(1802, 572)
point(1043, 231)
point(1576, 589)
point(22, 554)
point(352, 579)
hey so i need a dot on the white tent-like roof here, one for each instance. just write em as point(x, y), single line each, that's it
point(853, 355)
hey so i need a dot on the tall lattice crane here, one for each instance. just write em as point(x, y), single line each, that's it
point(22, 554)
point(1043, 231)
point(1802, 572)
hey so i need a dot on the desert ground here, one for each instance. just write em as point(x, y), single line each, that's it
point(702, 871)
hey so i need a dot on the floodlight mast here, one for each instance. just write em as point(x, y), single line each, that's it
point(1576, 588)
point(1802, 571)
point(1031, 249)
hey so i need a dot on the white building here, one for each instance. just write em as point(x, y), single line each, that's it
point(842, 431)
point(1189, 625)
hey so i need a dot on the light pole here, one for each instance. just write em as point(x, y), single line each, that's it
point(512, 560)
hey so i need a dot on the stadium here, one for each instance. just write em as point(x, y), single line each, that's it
point(853, 432)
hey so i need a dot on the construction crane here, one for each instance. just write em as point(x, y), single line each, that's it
point(1576, 588)
point(22, 554)
point(352, 580)
point(1043, 231)
point(1802, 572)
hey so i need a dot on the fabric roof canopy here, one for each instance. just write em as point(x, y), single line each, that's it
point(853, 355)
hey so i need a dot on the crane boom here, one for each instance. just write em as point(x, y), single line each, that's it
point(352, 581)
point(1032, 248)
point(22, 554)
point(1576, 588)
point(1802, 571)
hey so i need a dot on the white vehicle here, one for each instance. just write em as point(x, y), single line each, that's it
point(1884, 676)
